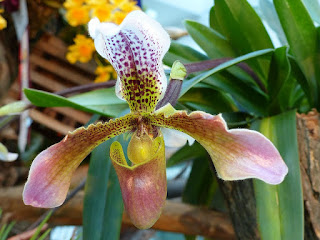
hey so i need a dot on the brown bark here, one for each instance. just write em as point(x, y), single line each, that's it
point(309, 151)
point(242, 208)
point(176, 217)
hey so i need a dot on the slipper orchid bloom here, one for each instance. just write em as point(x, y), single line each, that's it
point(136, 49)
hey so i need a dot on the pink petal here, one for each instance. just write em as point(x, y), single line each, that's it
point(237, 154)
point(51, 171)
point(135, 49)
point(143, 186)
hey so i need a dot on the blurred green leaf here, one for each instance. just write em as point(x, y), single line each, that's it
point(102, 101)
point(248, 96)
point(5, 230)
point(183, 53)
point(243, 28)
point(213, 21)
point(43, 222)
point(268, 13)
point(303, 40)
point(208, 100)
point(313, 7)
point(186, 153)
point(212, 42)
point(187, 84)
point(200, 186)
point(278, 77)
point(102, 214)
point(280, 207)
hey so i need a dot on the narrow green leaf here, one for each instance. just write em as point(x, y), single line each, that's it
point(200, 185)
point(313, 7)
point(278, 77)
point(212, 42)
point(303, 40)
point(7, 230)
point(103, 205)
point(280, 208)
point(186, 153)
point(190, 83)
point(208, 100)
point(37, 232)
point(45, 234)
point(182, 53)
point(213, 21)
point(102, 101)
point(243, 28)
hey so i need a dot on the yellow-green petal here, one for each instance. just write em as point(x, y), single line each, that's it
point(51, 171)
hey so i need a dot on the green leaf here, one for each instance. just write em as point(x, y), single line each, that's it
point(186, 153)
point(243, 28)
point(278, 77)
point(102, 101)
point(314, 9)
point(200, 186)
point(5, 230)
point(248, 96)
point(43, 222)
point(212, 42)
point(303, 40)
point(268, 13)
point(208, 100)
point(280, 207)
point(183, 53)
point(187, 84)
point(103, 201)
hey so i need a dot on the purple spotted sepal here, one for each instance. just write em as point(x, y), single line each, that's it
point(135, 49)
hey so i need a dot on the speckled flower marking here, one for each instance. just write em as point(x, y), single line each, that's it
point(136, 52)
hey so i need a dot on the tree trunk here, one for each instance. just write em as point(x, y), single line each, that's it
point(309, 151)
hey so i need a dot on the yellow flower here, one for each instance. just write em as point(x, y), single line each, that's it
point(82, 49)
point(78, 15)
point(128, 6)
point(97, 2)
point(73, 3)
point(118, 16)
point(103, 12)
point(3, 23)
point(104, 73)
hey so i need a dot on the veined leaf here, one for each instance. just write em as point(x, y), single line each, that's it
point(280, 207)
point(314, 9)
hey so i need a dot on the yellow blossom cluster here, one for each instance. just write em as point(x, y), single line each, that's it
point(81, 50)
point(79, 12)
point(105, 73)
point(3, 22)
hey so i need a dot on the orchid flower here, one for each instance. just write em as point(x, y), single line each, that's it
point(136, 49)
